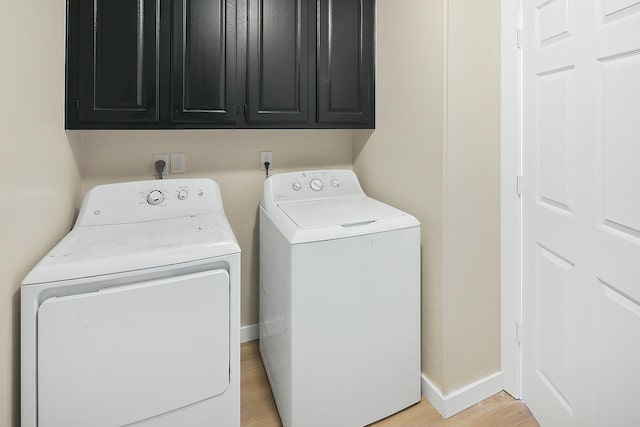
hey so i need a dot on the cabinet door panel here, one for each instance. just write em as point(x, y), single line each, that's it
point(345, 62)
point(278, 82)
point(118, 60)
point(204, 61)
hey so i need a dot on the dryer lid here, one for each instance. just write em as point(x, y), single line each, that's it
point(107, 249)
point(347, 211)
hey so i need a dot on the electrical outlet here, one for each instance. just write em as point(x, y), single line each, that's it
point(266, 156)
point(177, 163)
point(157, 157)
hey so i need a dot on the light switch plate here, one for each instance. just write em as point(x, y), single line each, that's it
point(178, 163)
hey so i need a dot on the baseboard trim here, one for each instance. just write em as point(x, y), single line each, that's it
point(464, 397)
point(249, 333)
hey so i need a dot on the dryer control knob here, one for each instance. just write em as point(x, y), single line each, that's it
point(297, 186)
point(155, 197)
point(335, 183)
point(316, 184)
point(183, 194)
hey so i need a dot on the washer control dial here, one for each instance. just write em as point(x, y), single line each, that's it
point(335, 183)
point(316, 184)
point(155, 197)
point(296, 186)
point(182, 194)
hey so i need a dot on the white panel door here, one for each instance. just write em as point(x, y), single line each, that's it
point(130, 353)
point(581, 242)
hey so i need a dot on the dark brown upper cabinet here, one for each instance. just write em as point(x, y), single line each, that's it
point(345, 62)
point(116, 46)
point(278, 62)
point(163, 64)
point(203, 69)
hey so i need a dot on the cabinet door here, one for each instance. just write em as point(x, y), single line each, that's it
point(118, 58)
point(278, 62)
point(345, 62)
point(204, 61)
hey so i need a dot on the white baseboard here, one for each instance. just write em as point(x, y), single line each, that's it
point(249, 333)
point(464, 397)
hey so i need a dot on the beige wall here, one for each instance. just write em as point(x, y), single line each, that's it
point(39, 179)
point(472, 193)
point(435, 153)
point(229, 157)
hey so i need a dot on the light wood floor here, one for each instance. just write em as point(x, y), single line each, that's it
point(259, 410)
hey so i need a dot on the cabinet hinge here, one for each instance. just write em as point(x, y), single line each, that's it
point(519, 185)
point(519, 38)
point(519, 332)
point(77, 105)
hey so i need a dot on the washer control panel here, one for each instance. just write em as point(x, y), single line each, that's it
point(316, 184)
point(312, 185)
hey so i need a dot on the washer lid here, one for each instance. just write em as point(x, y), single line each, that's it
point(347, 211)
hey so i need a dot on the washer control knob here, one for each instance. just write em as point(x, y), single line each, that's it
point(182, 194)
point(297, 186)
point(155, 197)
point(335, 183)
point(316, 184)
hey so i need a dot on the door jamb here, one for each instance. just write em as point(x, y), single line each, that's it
point(510, 200)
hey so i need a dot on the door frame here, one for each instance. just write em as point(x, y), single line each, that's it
point(510, 199)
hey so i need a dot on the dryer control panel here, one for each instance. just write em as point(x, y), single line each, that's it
point(311, 185)
point(129, 202)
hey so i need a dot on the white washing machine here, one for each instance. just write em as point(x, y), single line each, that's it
point(339, 301)
point(133, 318)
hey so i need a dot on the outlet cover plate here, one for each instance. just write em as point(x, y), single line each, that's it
point(155, 158)
point(266, 156)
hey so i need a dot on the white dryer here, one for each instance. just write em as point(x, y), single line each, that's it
point(133, 318)
point(339, 301)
